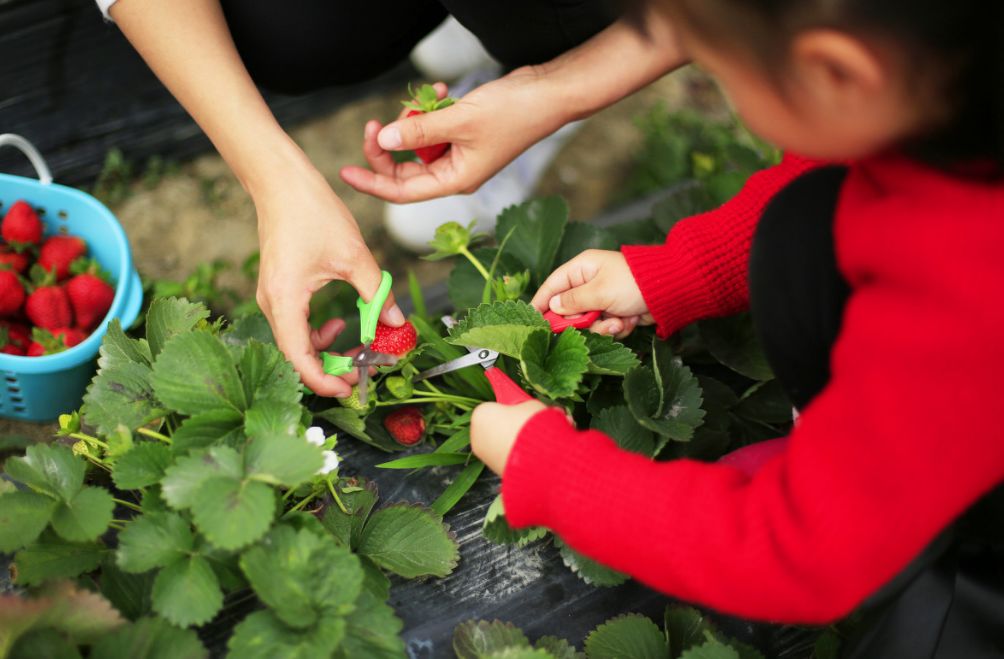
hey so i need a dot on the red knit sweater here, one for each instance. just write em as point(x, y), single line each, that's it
point(906, 435)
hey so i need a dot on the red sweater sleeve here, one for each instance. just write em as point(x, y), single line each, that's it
point(701, 269)
point(903, 439)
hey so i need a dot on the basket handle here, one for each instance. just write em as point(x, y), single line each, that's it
point(26, 147)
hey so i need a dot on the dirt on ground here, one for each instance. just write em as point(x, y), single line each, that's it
point(199, 212)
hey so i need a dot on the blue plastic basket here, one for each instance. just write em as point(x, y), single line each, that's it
point(42, 388)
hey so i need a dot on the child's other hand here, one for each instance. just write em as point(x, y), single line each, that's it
point(596, 280)
point(495, 427)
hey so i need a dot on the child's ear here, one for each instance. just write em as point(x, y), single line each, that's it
point(837, 69)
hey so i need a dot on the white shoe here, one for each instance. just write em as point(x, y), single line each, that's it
point(450, 52)
point(413, 225)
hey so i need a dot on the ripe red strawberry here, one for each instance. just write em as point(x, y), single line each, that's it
point(15, 335)
point(58, 252)
point(21, 226)
point(405, 425)
point(398, 341)
point(9, 344)
point(47, 305)
point(90, 294)
point(426, 100)
point(36, 349)
point(49, 343)
point(11, 293)
point(14, 260)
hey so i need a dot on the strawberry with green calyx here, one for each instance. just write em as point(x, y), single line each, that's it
point(21, 226)
point(11, 292)
point(47, 305)
point(9, 346)
point(14, 337)
point(16, 261)
point(427, 100)
point(59, 252)
point(45, 342)
point(90, 293)
point(353, 402)
point(397, 341)
point(406, 425)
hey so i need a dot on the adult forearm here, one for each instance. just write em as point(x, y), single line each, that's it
point(615, 63)
point(188, 46)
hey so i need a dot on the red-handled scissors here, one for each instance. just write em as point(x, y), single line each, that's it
point(506, 390)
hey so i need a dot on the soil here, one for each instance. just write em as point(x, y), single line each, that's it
point(199, 212)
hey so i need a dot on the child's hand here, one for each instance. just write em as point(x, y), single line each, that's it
point(495, 427)
point(596, 280)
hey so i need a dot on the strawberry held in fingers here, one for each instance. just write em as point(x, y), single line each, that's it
point(11, 293)
point(427, 100)
point(90, 294)
point(397, 341)
point(21, 226)
point(59, 252)
point(406, 425)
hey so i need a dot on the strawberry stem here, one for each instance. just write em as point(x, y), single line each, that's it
point(127, 504)
point(154, 434)
point(334, 495)
point(476, 263)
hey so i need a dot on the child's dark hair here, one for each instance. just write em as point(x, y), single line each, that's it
point(960, 43)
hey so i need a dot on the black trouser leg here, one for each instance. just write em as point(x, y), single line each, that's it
point(296, 46)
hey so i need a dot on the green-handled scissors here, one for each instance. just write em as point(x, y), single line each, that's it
point(369, 314)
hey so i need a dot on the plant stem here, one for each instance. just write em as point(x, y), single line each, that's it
point(127, 504)
point(338, 499)
point(415, 401)
point(154, 434)
point(476, 263)
point(89, 439)
point(302, 503)
point(446, 397)
point(117, 524)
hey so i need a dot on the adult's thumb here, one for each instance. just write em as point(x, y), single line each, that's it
point(417, 131)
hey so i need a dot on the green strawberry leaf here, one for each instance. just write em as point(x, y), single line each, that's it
point(496, 528)
point(232, 513)
point(349, 422)
point(262, 635)
point(554, 366)
point(267, 375)
point(623, 428)
point(423, 460)
point(195, 373)
point(219, 426)
point(141, 466)
point(86, 516)
point(253, 326)
point(733, 342)
point(51, 557)
point(303, 577)
point(372, 630)
point(187, 592)
point(608, 357)
point(766, 402)
point(154, 540)
point(183, 479)
point(347, 526)
point(75, 611)
point(463, 482)
point(631, 635)
point(49, 469)
point(502, 326)
point(150, 638)
point(711, 649)
point(409, 541)
point(466, 285)
point(475, 639)
point(558, 648)
point(169, 317)
point(665, 398)
point(120, 393)
point(129, 593)
point(537, 228)
point(685, 627)
point(23, 517)
point(43, 643)
point(587, 569)
point(580, 236)
point(278, 453)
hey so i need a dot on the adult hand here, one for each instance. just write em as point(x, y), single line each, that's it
point(486, 130)
point(308, 238)
point(596, 280)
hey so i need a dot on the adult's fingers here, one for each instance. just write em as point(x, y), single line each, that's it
point(365, 278)
point(326, 334)
point(403, 186)
point(421, 130)
point(288, 317)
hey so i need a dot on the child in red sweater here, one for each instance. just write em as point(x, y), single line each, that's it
point(877, 290)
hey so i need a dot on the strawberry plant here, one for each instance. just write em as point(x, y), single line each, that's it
point(195, 479)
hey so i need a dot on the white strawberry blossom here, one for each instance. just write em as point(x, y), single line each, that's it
point(330, 463)
point(315, 435)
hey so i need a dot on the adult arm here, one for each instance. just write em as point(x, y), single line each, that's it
point(496, 122)
point(307, 235)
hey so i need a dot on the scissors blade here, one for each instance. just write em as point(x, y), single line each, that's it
point(370, 357)
point(364, 383)
point(481, 356)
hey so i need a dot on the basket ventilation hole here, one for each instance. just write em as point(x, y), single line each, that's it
point(13, 389)
point(63, 215)
point(19, 408)
point(12, 379)
point(16, 399)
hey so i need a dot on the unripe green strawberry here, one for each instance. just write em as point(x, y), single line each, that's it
point(353, 402)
